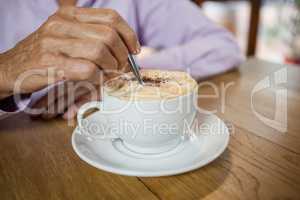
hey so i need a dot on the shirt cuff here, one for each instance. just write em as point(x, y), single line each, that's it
point(14, 104)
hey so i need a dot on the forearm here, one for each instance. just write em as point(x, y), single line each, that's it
point(187, 39)
point(202, 56)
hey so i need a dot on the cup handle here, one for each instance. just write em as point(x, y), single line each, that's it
point(82, 110)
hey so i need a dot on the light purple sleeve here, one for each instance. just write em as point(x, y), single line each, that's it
point(21, 106)
point(24, 104)
point(187, 40)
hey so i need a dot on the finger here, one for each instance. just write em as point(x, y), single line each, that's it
point(63, 102)
point(83, 49)
point(74, 69)
point(100, 34)
point(72, 109)
point(50, 96)
point(121, 71)
point(107, 17)
point(55, 68)
point(50, 112)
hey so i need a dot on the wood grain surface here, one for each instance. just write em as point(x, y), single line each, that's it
point(38, 162)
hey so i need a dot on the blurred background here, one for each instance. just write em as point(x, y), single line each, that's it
point(268, 29)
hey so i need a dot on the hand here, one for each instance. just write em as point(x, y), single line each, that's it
point(73, 44)
point(63, 99)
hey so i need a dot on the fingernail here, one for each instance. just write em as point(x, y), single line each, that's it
point(138, 48)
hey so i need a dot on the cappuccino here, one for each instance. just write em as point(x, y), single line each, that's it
point(158, 84)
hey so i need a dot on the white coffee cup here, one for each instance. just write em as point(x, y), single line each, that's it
point(144, 126)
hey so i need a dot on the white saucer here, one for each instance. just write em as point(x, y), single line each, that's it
point(210, 139)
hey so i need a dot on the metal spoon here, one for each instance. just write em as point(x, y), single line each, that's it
point(135, 69)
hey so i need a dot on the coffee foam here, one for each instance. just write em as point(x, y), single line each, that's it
point(158, 84)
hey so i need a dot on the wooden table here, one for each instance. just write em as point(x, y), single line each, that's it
point(38, 162)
